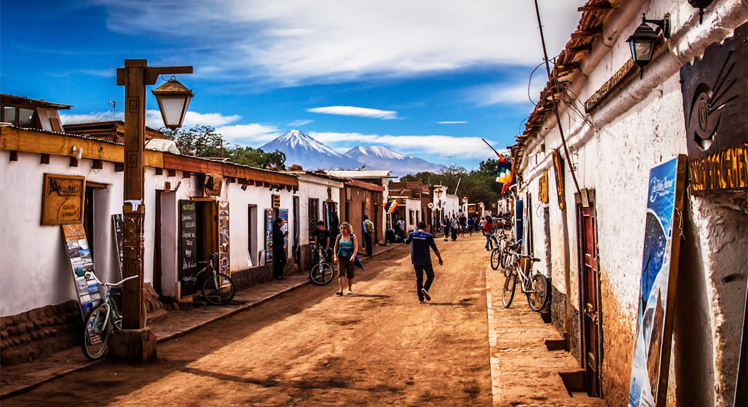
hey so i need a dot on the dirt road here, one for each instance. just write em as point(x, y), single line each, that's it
point(310, 348)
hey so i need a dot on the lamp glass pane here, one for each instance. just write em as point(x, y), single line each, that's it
point(172, 108)
point(643, 50)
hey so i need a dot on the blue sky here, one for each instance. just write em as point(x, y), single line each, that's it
point(426, 78)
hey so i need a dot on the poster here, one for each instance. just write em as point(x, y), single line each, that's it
point(283, 213)
point(119, 236)
point(81, 263)
point(187, 247)
point(268, 236)
point(223, 238)
point(649, 368)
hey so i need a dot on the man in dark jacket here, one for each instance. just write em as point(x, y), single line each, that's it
point(421, 258)
point(279, 252)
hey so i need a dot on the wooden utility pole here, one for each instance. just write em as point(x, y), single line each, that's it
point(134, 77)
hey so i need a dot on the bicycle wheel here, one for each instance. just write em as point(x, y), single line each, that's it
point(510, 284)
point(322, 273)
point(96, 334)
point(538, 297)
point(218, 289)
point(495, 258)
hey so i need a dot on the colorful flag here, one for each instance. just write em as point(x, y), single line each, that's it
point(390, 207)
point(505, 174)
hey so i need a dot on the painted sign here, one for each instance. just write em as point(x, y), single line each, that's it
point(276, 201)
point(609, 85)
point(543, 187)
point(662, 236)
point(223, 238)
point(283, 213)
point(62, 199)
point(187, 247)
point(118, 227)
point(213, 185)
point(715, 100)
point(81, 262)
point(558, 169)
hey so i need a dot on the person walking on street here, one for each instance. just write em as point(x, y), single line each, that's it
point(279, 252)
point(420, 256)
point(463, 224)
point(471, 224)
point(346, 248)
point(454, 228)
point(488, 232)
point(322, 239)
point(368, 233)
point(445, 227)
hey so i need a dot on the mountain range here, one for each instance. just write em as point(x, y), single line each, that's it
point(302, 149)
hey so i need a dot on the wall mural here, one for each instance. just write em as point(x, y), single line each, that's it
point(662, 236)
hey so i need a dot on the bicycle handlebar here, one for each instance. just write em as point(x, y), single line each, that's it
point(89, 274)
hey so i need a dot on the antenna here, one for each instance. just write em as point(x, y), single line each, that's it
point(114, 107)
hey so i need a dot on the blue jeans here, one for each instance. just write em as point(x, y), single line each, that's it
point(490, 241)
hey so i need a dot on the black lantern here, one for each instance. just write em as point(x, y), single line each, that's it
point(644, 40)
point(701, 5)
point(173, 99)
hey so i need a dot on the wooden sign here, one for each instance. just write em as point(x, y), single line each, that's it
point(62, 199)
point(715, 102)
point(558, 169)
point(276, 202)
point(654, 327)
point(609, 86)
point(213, 185)
point(86, 287)
point(543, 187)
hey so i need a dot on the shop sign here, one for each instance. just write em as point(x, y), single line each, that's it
point(62, 199)
point(611, 84)
point(543, 187)
point(86, 287)
point(213, 185)
point(187, 247)
point(223, 238)
point(276, 201)
point(558, 169)
point(715, 102)
point(659, 273)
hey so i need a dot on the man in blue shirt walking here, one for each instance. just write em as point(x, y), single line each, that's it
point(421, 259)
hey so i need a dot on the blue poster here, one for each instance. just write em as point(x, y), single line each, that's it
point(651, 339)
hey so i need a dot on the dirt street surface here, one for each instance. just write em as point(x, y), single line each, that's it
point(310, 348)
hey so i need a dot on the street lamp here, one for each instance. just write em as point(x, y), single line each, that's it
point(644, 39)
point(173, 99)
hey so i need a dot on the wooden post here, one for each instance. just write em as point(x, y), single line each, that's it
point(134, 77)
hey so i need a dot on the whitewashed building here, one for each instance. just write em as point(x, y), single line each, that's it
point(617, 126)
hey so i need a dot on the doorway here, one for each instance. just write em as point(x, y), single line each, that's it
point(198, 231)
point(252, 235)
point(589, 291)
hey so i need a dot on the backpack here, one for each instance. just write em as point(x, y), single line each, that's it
point(369, 227)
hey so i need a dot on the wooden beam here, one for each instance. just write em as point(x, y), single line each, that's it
point(171, 173)
point(577, 35)
point(73, 162)
point(159, 171)
point(45, 159)
point(606, 5)
point(119, 167)
point(581, 48)
point(14, 155)
point(567, 67)
point(186, 174)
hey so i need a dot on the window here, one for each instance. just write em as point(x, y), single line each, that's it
point(313, 215)
point(411, 217)
point(25, 117)
point(9, 114)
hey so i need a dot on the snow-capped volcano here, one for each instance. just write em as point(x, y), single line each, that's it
point(304, 150)
point(383, 158)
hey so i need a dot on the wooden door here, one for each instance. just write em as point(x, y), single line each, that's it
point(157, 270)
point(589, 281)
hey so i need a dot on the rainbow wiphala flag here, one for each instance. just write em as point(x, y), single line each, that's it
point(390, 207)
point(505, 174)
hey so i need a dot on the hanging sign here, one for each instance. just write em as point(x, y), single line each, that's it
point(187, 247)
point(81, 262)
point(223, 238)
point(558, 169)
point(715, 101)
point(62, 199)
point(276, 201)
point(662, 237)
point(543, 187)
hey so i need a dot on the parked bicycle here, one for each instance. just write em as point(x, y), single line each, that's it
point(218, 288)
point(323, 271)
point(534, 286)
point(102, 320)
point(499, 252)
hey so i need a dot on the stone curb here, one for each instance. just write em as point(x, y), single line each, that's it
point(177, 334)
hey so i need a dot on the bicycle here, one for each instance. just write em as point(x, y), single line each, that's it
point(322, 272)
point(499, 252)
point(217, 289)
point(101, 321)
point(535, 287)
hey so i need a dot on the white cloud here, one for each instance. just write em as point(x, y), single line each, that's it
point(509, 93)
point(299, 123)
point(297, 41)
point(92, 117)
point(356, 111)
point(453, 122)
point(153, 119)
point(437, 145)
point(253, 134)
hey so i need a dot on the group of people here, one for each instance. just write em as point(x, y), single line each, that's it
point(458, 225)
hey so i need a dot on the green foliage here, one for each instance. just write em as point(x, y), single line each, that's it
point(478, 185)
point(204, 141)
